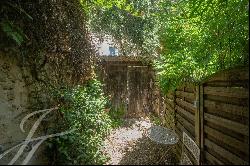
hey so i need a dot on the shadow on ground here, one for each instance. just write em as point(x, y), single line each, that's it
point(147, 152)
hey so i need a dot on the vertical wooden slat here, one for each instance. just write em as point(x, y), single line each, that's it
point(183, 98)
point(197, 117)
point(174, 101)
point(175, 120)
point(201, 112)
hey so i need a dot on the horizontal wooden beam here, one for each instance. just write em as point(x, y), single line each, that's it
point(243, 84)
point(229, 100)
point(235, 126)
point(189, 95)
point(212, 160)
point(227, 139)
point(185, 104)
point(228, 108)
point(186, 114)
point(227, 91)
point(223, 152)
point(182, 128)
point(170, 102)
point(230, 75)
point(187, 125)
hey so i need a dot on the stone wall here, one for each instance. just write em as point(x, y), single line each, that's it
point(55, 53)
point(16, 101)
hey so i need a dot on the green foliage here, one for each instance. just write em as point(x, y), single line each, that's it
point(132, 24)
point(117, 116)
point(199, 38)
point(12, 31)
point(195, 38)
point(84, 111)
point(156, 120)
point(9, 25)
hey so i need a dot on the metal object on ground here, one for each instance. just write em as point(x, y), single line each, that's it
point(192, 147)
point(162, 135)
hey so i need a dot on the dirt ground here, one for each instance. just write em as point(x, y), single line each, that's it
point(130, 145)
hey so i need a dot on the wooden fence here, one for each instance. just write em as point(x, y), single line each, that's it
point(215, 115)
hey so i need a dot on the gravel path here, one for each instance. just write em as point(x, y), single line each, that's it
point(129, 145)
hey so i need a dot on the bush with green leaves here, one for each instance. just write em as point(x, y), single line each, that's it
point(117, 115)
point(83, 111)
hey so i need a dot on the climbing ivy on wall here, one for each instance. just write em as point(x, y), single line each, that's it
point(132, 24)
point(48, 33)
point(9, 25)
point(51, 40)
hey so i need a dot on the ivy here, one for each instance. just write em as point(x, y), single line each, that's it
point(132, 24)
point(83, 110)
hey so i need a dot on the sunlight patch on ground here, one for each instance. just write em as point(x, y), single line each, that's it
point(124, 138)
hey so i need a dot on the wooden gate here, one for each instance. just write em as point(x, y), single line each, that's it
point(130, 84)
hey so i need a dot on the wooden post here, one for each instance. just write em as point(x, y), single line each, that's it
point(197, 116)
point(175, 121)
point(201, 106)
point(197, 119)
point(174, 101)
point(183, 98)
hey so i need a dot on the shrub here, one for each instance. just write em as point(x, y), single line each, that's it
point(117, 115)
point(84, 112)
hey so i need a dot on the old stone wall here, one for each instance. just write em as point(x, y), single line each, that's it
point(16, 101)
point(54, 52)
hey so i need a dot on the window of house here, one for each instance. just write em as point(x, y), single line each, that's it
point(112, 51)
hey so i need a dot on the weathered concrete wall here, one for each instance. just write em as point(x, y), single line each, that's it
point(16, 101)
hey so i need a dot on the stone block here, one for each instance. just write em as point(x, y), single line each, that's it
point(10, 95)
point(7, 86)
point(3, 77)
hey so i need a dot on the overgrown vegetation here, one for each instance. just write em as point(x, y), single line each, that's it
point(156, 120)
point(131, 24)
point(50, 39)
point(117, 115)
point(192, 38)
point(9, 25)
point(200, 37)
point(84, 110)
